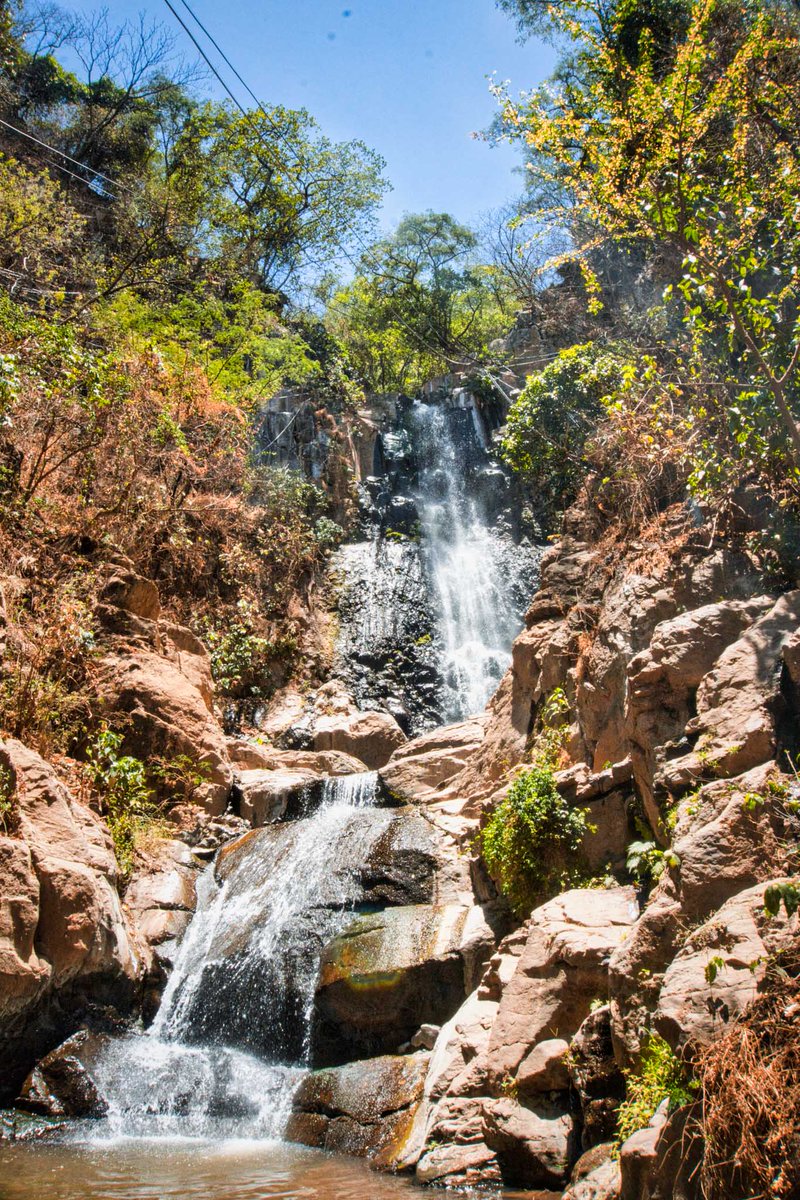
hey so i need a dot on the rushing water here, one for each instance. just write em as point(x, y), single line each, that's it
point(475, 573)
point(433, 599)
point(244, 981)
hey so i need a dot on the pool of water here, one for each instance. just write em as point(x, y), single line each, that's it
point(174, 1169)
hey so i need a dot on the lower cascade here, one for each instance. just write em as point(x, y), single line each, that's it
point(231, 1039)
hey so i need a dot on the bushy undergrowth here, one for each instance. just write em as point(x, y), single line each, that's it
point(532, 840)
point(660, 1076)
point(750, 1078)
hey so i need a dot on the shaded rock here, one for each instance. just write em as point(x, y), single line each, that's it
point(64, 942)
point(596, 1077)
point(402, 864)
point(533, 1147)
point(61, 1085)
point(363, 1108)
point(425, 1037)
point(391, 971)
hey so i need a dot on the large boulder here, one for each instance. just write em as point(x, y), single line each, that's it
point(392, 971)
point(729, 836)
point(155, 678)
point(419, 772)
point(563, 968)
point(663, 680)
point(64, 942)
point(534, 1147)
point(715, 975)
point(369, 736)
point(61, 1084)
point(738, 702)
point(364, 1108)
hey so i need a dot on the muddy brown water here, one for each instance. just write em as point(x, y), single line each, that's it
point(191, 1170)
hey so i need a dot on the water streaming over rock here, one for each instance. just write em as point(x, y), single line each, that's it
point(432, 600)
point(244, 978)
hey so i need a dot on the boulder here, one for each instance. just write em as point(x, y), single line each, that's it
point(155, 677)
point(730, 835)
point(737, 701)
point(715, 975)
point(534, 1147)
point(370, 736)
point(663, 680)
point(638, 1155)
point(364, 1108)
point(389, 972)
point(264, 796)
point(544, 1069)
point(595, 1176)
point(64, 941)
point(562, 969)
point(61, 1084)
point(419, 772)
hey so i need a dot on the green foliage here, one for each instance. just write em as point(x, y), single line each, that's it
point(550, 422)
point(125, 795)
point(786, 894)
point(660, 1077)
point(532, 841)
point(420, 305)
point(239, 658)
point(646, 861)
point(669, 135)
point(7, 798)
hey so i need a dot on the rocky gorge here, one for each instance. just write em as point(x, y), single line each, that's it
point(314, 946)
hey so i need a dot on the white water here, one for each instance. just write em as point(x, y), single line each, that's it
point(251, 944)
point(469, 565)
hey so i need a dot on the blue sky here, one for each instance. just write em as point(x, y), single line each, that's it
point(408, 77)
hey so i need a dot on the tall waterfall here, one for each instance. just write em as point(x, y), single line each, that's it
point(244, 978)
point(472, 569)
point(434, 595)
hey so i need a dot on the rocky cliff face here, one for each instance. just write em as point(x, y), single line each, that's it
point(450, 1039)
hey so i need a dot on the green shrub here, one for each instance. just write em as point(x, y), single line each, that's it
point(125, 795)
point(661, 1076)
point(532, 841)
point(551, 421)
point(7, 797)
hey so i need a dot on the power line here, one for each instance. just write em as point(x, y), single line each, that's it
point(62, 153)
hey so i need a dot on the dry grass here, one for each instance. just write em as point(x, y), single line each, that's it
point(751, 1097)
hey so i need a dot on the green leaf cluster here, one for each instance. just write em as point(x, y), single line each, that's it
point(532, 841)
point(660, 1076)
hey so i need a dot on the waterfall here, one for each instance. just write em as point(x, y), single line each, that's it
point(433, 598)
point(231, 1038)
point(474, 571)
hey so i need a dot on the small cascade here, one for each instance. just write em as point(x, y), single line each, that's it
point(231, 1038)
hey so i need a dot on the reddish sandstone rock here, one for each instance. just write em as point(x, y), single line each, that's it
point(64, 942)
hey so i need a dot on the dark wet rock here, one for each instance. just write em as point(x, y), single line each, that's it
point(364, 1108)
point(597, 1079)
point(19, 1126)
point(61, 1084)
point(402, 863)
point(389, 972)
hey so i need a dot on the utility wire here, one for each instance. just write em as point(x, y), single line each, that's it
point(62, 153)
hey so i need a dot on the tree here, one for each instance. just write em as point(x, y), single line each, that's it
point(278, 196)
point(421, 302)
point(692, 153)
